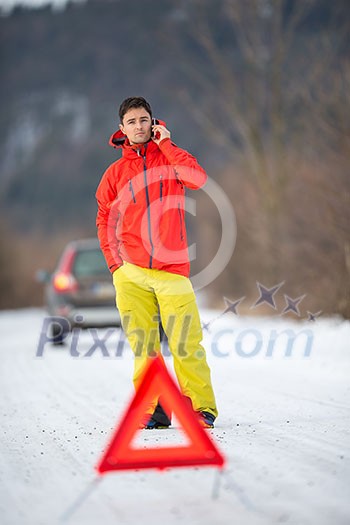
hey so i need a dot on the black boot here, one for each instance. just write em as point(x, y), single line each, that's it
point(161, 417)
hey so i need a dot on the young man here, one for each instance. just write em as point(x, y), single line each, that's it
point(142, 234)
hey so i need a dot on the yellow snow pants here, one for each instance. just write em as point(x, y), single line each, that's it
point(144, 294)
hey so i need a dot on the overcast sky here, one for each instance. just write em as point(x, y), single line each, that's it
point(8, 4)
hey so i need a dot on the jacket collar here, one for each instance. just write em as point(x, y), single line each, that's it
point(138, 150)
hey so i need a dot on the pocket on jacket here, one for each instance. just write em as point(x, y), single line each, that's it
point(181, 222)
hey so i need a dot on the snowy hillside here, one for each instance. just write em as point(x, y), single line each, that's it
point(283, 428)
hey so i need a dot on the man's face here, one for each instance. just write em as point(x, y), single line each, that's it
point(137, 125)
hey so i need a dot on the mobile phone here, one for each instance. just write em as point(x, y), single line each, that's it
point(155, 121)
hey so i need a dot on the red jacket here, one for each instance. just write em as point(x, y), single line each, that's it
point(141, 201)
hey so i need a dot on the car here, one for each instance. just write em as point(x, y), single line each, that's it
point(80, 290)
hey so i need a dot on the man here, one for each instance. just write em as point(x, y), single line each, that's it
point(142, 234)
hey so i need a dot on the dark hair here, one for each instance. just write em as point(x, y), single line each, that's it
point(133, 102)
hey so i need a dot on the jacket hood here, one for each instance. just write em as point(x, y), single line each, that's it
point(118, 139)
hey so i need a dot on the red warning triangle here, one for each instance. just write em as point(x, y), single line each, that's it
point(119, 454)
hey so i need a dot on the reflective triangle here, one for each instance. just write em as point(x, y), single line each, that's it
point(119, 454)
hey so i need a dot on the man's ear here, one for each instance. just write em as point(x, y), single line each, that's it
point(121, 127)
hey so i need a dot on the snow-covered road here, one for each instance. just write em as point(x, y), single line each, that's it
point(283, 427)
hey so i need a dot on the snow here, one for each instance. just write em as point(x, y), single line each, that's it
point(283, 428)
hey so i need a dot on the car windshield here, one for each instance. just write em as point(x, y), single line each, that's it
point(88, 263)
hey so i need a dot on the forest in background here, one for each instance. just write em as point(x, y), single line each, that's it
point(258, 90)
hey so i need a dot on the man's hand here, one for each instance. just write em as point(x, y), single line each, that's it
point(160, 133)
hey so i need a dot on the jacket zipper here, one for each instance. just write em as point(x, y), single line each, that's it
point(148, 209)
point(132, 190)
point(181, 231)
point(161, 188)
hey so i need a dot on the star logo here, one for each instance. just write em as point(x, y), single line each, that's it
point(292, 304)
point(312, 317)
point(205, 326)
point(231, 306)
point(267, 295)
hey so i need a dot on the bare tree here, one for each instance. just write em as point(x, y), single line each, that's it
point(271, 95)
point(244, 82)
point(331, 106)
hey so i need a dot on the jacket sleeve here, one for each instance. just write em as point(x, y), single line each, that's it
point(187, 169)
point(107, 218)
